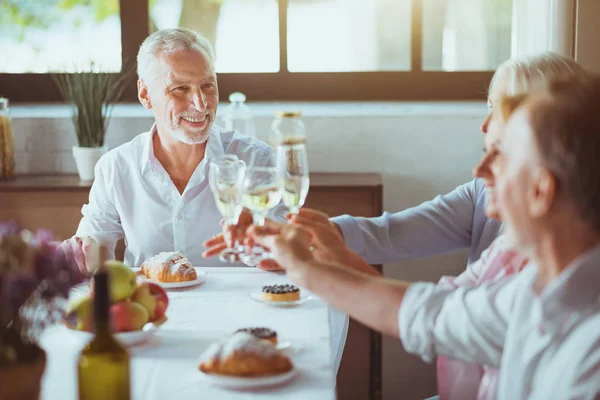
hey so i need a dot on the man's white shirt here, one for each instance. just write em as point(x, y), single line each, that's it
point(546, 345)
point(133, 197)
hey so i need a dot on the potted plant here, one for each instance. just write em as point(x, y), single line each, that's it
point(92, 95)
point(35, 279)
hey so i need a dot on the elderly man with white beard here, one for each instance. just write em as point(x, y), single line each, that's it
point(153, 191)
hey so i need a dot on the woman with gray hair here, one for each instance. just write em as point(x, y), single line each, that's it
point(458, 219)
point(450, 222)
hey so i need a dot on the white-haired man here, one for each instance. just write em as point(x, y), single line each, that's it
point(153, 191)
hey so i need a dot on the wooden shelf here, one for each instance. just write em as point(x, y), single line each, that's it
point(72, 182)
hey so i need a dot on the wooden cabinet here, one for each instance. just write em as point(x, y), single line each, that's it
point(54, 202)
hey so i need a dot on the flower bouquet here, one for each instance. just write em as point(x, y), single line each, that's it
point(35, 279)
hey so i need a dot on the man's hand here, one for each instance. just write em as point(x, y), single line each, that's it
point(230, 235)
point(81, 251)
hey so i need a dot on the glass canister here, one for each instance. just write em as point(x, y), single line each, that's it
point(287, 129)
point(237, 116)
point(7, 143)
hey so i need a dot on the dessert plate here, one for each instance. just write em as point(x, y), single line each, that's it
point(200, 278)
point(235, 382)
point(303, 299)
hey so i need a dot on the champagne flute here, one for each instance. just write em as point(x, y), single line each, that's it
point(292, 162)
point(225, 177)
point(262, 191)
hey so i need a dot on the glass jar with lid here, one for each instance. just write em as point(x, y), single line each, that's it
point(7, 143)
point(287, 129)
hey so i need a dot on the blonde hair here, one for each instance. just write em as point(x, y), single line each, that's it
point(169, 41)
point(532, 72)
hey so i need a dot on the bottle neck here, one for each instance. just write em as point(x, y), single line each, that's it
point(101, 303)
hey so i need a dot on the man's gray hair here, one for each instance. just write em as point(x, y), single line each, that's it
point(169, 41)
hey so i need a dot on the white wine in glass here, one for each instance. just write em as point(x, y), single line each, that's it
point(226, 176)
point(228, 196)
point(262, 199)
point(295, 190)
point(262, 191)
point(292, 162)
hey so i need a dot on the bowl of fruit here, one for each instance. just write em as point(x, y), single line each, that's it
point(137, 308)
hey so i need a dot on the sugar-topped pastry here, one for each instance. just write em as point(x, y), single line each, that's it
point(265, 334)
point(169, 267)
point(242, 354)
point(280, 293)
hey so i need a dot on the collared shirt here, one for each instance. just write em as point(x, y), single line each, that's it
point(454, 221)
point(546, 345)
point(133, 197)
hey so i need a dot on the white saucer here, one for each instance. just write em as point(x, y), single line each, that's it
point(234, 382)
point(127, 339)
point(200, 274)
point(303, 299)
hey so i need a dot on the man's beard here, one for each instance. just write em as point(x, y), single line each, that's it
point(196, 137)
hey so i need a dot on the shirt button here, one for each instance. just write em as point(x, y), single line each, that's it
point(179, 217)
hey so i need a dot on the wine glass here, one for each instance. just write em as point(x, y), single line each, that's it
point(226, 176)
point(292, 162)
point(262, 191)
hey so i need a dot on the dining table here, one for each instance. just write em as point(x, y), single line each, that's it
point(166, 365)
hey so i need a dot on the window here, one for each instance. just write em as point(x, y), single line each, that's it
point(41, 36)
point(270, 49)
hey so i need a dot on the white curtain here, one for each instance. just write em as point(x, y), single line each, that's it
point(542, 25)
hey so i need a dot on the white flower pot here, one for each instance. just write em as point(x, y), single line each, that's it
point(86, 159)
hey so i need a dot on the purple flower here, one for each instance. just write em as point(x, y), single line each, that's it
point(34, 276)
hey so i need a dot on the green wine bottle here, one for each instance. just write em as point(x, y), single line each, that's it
point(103, 366)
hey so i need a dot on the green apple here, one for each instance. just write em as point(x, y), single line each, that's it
point(79, 313)
point(153, 298)
point(122, 280)
point(127, 316)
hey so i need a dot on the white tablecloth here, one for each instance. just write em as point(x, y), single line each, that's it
point(165, 367)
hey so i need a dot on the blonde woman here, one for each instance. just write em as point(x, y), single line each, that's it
point(458, 219)
point(454, 221)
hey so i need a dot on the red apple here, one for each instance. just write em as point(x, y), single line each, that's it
point(153, 297)
point(128, 316)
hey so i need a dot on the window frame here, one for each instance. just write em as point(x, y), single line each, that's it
point(413, 85)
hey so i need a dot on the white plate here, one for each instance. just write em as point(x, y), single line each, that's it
point(234, 382)
point(200, 278)
point(127, 339)
point(303, 299)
